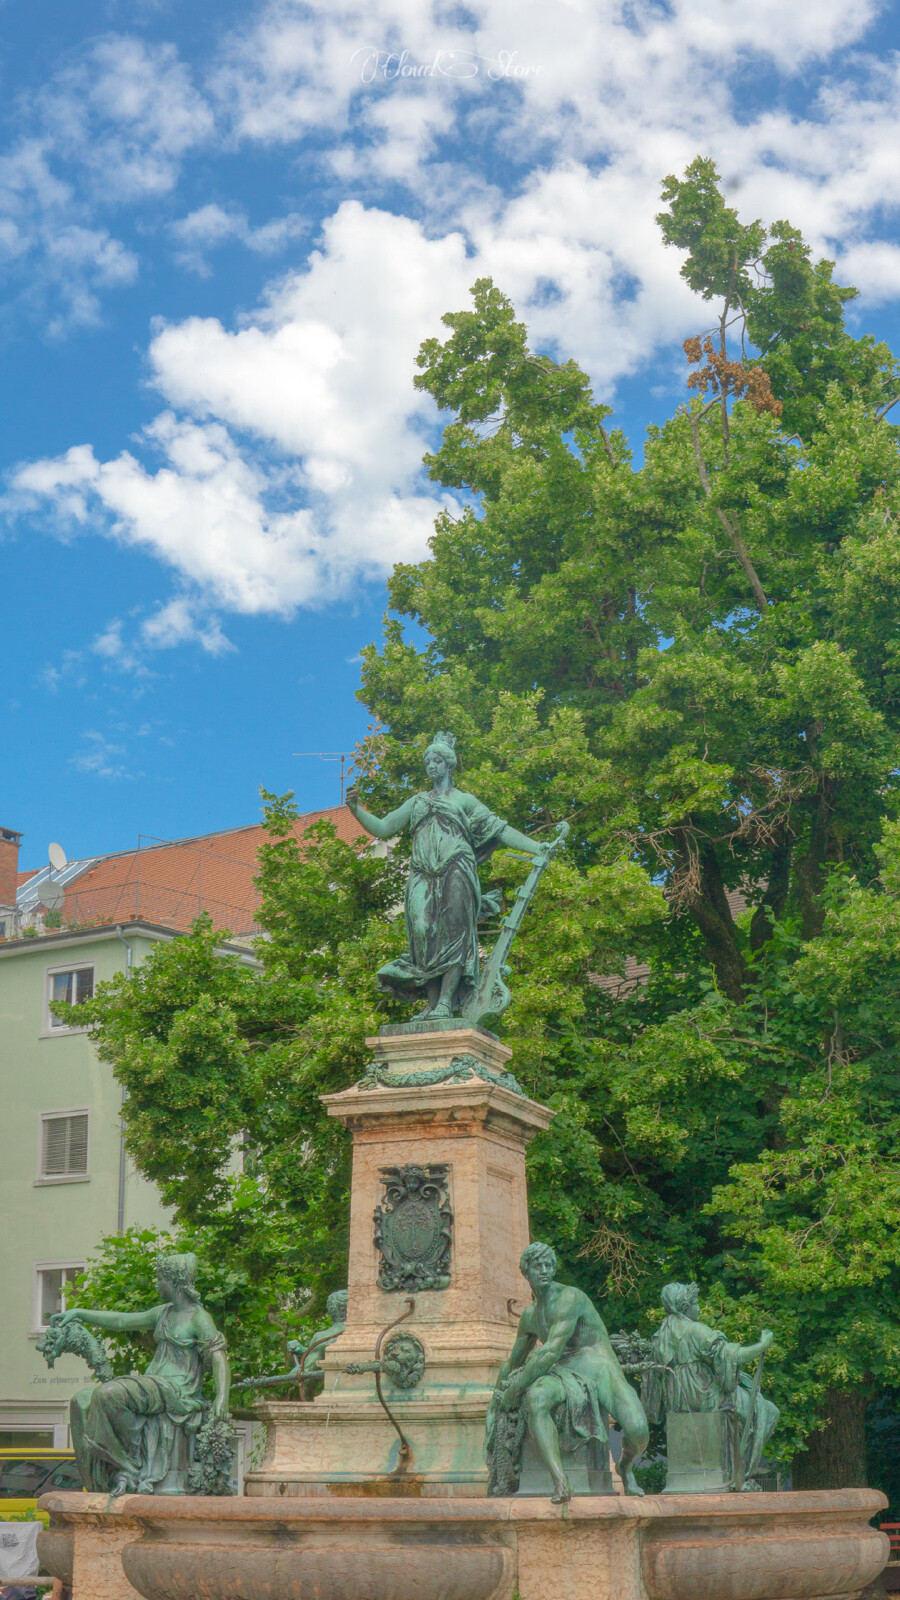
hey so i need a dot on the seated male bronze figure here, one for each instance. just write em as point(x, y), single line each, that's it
point(565, 1380)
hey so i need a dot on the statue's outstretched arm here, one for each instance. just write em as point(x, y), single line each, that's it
point(751, 1352)
point(512, 839)
point(114, 1321)
point(380, 827)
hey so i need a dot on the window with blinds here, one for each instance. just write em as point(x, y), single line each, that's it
point(64, 1145)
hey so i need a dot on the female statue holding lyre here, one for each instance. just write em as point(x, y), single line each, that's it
point(451, 833)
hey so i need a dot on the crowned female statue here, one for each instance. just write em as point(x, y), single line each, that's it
point(451, 833)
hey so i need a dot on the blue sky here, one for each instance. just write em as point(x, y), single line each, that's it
point(224, 231)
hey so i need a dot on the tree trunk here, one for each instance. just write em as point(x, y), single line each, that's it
point(712, 914)
point(835, 1457)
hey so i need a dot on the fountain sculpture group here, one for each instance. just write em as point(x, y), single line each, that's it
point(449, 1433)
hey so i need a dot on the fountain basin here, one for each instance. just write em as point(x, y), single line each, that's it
point(803, 1546)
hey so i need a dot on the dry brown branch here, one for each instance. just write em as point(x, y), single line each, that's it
point(729, 523)
point(624, 1262)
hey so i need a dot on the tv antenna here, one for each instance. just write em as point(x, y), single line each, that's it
point(343, 756)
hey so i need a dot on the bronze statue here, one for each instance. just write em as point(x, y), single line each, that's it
point(696, 1371)
point(138, 1434)
point(312, 1380)
point(451, 833)
point(307, 1371)
point(564, 1379)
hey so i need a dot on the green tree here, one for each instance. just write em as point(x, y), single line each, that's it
point(695, 661)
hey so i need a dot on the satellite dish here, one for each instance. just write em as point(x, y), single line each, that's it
point(52, 894)
point(57, 857)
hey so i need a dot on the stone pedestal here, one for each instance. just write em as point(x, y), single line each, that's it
point(425, 1104)
point(700, 1450)
point(588, 1470)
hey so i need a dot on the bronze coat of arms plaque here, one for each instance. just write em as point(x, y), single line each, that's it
point(413, 1229)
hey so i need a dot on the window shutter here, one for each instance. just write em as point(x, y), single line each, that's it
point(54, 1163)
point(78, 1137)
point(65, 1146)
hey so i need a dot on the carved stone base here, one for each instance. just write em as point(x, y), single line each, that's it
point(684, 1547)
point(350, 1447)
point(698, 1448)
point(587, 1469)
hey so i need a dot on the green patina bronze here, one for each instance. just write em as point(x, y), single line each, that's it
point(403, 1361)
point(555, 1395)
point(307, 1372)
point(413, 1229)
point(460, 1070)
point(312, 1379)
point(717, 1422)
point(451, 833)
point(155, 1433)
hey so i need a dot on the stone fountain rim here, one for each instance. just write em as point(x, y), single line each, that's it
point(839, 1504)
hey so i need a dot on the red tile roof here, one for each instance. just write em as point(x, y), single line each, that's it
point(22, 877)
point(170, 884)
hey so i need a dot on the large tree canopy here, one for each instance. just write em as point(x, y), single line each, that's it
point(695, 661)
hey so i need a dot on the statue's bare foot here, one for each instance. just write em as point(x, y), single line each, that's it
point(629, 1481)
point(441, 1010)
point(562, 1492)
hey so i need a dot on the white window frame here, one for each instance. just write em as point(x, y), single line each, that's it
point(53, 1029)
point(41, 1181)
point(37, 1326)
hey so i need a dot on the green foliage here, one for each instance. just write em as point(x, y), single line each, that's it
point(794, 311)
point(254, 1312)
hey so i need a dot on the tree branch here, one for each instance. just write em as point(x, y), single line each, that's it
point(729, 524)
point(607, 446)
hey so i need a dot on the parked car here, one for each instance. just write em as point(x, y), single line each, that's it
point(26, 1474)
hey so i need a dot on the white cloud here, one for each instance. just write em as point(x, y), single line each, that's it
point(100, 758)
point(126, 114)
point(46, 252)
point(212, 225)
point(181, 621)
point(398, 71)
point(118, 655)
point(874, 269)
point(286, 465)
point(70, 669)
point(110, 128)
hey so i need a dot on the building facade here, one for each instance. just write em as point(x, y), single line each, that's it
point(65, 1182)
point(65, 1179)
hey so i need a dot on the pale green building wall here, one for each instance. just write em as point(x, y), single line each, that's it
point(64, 1220)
